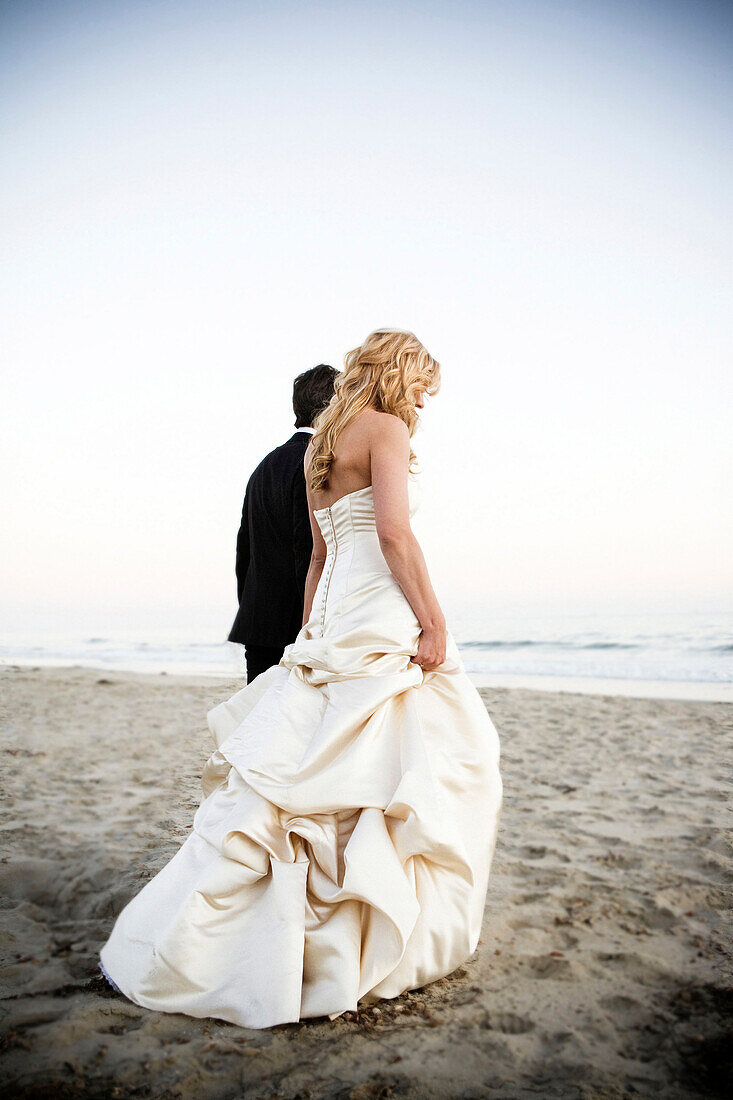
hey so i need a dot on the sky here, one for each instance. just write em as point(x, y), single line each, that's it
point(199, 201)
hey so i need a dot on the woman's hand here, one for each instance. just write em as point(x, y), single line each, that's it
point(431, 648)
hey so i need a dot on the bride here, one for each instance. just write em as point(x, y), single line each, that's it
point(350, 811)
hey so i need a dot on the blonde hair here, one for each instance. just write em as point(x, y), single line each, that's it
point(384, 373)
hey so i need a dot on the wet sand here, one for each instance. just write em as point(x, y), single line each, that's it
point(604, 969)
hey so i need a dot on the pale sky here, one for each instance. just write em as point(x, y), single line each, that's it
point(199, 201)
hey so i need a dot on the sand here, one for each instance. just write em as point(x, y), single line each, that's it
point(603, 969)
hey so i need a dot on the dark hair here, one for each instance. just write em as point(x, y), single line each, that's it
point(312, 390)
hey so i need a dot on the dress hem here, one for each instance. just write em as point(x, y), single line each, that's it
point(111, 982)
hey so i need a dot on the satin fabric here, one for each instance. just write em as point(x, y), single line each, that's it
point(343, 845)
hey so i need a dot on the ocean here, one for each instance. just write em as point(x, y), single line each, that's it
point(674, 647)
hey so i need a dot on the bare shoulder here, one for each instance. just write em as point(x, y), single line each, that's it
point(385, 427)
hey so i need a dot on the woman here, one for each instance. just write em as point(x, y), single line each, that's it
point(350, 811)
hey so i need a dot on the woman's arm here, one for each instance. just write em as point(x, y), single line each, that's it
point(318, 554)
point(311, 584)
point(390, 458)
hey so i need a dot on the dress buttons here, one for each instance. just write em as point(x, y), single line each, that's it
point(330, 559)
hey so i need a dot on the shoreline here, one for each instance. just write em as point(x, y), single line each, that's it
point(709, 691)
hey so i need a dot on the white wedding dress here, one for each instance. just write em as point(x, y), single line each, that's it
point(350, 812)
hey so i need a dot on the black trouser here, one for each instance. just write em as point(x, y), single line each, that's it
point(261, 657)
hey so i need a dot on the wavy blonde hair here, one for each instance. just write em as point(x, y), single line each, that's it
point(385, 373)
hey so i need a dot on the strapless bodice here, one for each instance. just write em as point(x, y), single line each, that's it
point(354, 512)
point(354, 555)
point(361, 623)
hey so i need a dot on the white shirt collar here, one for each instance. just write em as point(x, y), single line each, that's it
point(311, 430)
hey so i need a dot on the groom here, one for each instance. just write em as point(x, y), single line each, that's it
point(274, 542)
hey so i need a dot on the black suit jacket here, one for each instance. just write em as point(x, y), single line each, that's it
point(273, 549)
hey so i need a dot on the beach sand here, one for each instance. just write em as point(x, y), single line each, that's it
point(603, 970)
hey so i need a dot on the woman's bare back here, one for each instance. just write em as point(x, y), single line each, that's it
point(351, 468)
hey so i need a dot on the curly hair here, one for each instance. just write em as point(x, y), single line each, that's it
point(384, 373)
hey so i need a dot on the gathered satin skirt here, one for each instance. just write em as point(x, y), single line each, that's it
point(343, 844)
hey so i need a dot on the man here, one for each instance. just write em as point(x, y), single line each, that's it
point(275, 542)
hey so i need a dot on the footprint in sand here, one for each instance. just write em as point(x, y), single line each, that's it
point(507, 1023)
point(545, 966)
